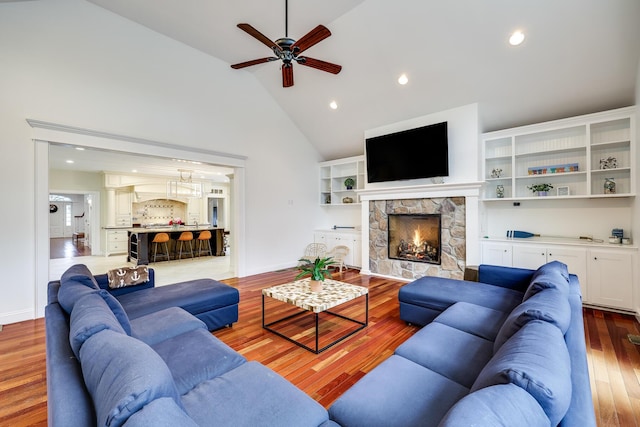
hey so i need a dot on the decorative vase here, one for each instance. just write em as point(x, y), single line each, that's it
point(609, 186)
point(542, 193)
point(500, 191)
point(316, 285)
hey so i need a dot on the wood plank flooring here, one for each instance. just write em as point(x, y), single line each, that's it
point(614, 362)
point(63, 247)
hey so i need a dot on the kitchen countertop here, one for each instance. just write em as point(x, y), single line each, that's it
point(169, 228)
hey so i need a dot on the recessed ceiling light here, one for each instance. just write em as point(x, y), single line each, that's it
point(69, 161)
point(80, 148)
point(403, 79)
point(516, 38)
point(333, 105)
point(134, 170)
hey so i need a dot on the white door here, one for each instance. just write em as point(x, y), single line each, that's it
point(56, 220)
point(88, 214)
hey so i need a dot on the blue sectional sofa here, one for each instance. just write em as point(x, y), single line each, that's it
point(508, 350)
point(133, 357)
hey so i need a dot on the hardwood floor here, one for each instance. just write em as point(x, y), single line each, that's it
point(63, 247)
point(614, 362)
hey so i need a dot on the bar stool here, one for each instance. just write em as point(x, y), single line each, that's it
point(161, 238)
point(185, 237)
point(204, 238)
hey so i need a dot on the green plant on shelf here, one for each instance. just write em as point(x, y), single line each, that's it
point(349, 183)
point(540, 189)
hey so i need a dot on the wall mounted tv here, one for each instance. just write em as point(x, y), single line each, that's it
point(410, 154)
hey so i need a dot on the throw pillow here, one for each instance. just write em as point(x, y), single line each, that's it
point(549, 305)
point(537, 360)
point(551, 275)
point(128, 276)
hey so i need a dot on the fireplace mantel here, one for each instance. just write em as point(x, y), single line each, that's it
point(456, 189)
point(469, 190)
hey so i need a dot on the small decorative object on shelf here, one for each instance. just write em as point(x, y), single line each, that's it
point(540, 189)
point(609, 163)
point(609, 186)
point(349, 183)
point(347, 200)
point(495, 173)
point(327, 199)
point(543, 170)
point(500, 191)
point(563, 191)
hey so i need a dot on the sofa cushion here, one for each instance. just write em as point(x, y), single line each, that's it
point(197, 356)
point(536, 359)
point(123, 375)
point(397, 392)
point(90, 315)
point(463, 359)
point(71, 292)
point(117, 310)
point(472, 318)
point(195, 296)
point(164, 324)
point(551, 275)
point(163, 412)
point(80, 273)
point(549, 305)
point(252, 395)
point(498, 405)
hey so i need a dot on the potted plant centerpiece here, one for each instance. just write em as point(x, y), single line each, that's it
point(540, 189)
point(318, 270)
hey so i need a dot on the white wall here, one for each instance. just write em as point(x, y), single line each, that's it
point(73, 63)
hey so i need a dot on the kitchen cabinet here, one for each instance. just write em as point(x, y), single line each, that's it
point(611, 278)
point(117, 242)
point(351, 240)
point(123, 208)
point(577, 156)
point(194, 211)
point(334, 173)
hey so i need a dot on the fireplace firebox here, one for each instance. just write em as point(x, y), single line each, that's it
point(415, 237)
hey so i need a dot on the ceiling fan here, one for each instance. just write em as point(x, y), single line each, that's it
point(288, 50)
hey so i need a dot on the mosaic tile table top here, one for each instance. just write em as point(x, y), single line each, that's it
point(299, 293)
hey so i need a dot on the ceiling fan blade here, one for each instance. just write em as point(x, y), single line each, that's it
point(287, 75)
point(253, 62)
point(320, 65)
point(313, 37)
point(258, 36)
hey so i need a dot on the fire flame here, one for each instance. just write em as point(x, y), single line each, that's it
point(417, 238)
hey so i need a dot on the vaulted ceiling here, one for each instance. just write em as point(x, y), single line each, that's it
point(579, 56)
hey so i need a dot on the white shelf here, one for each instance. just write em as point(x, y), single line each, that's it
point(333, 174)
point(584, 140)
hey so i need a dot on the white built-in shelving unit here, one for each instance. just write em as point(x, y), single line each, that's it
point(565, 153)
point(333, 175)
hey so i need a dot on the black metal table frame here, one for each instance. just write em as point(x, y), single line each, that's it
point(317, 350)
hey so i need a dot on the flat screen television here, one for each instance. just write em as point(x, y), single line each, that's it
point(410, 154)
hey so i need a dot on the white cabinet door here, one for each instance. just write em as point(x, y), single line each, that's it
point(576, 260)
point(610, 278)
point(529, 256)
point(497, 254)
point(357, 252)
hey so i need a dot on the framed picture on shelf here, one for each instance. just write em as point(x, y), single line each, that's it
point(563, 191)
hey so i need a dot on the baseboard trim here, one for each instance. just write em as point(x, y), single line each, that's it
point(16, 316)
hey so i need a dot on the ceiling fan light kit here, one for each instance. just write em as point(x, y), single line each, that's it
point(288, 50)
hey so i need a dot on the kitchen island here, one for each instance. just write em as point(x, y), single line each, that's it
point(140, 246)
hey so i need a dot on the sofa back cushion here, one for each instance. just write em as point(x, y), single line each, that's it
point(498, 405)
point(551, 275)
point(90, 315)
point(163, 412)
point(72, 291)
point(123, 375)
point(549, 305)
point(117, 310)
point(536, 359)
point(80, 273)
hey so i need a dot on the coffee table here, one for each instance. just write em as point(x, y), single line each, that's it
point(299, 294)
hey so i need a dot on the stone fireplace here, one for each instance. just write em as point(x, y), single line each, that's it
point(414, 237)
point(452, 242)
